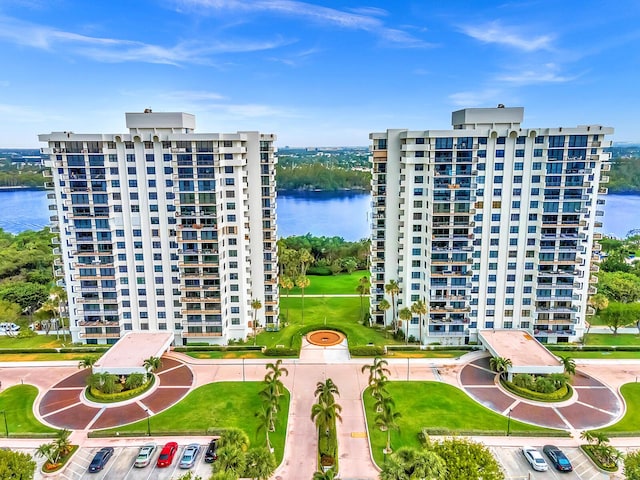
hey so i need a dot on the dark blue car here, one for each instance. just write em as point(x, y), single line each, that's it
point(558, 459)
point(100, 459)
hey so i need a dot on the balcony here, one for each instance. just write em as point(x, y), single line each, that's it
point(593, 280)
point(603, 191)
point(597, 236)
point(604, 179)
point(592, 291)
point(201, 334)
point(99, 335)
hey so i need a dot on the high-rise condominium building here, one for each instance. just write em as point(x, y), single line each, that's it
point(489, 225)
point(165, 229)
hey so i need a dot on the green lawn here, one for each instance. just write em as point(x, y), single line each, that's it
point(615, 355)
point(37, 341)
point(631, 420)
point(341, 312)
point(218, 405)
point(342, 284)
point(435, 405)
point(17, 404)
point(610, 339)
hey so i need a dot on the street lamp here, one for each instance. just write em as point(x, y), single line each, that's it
point(6, 427)
point(148, 422)
point(509, 422)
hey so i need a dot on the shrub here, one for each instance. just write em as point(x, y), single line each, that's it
point(319, 271)
point(559, 395)
point(366, 351)
point(280, 352)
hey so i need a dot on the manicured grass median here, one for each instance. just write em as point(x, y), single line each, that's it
point(340, 312)
point(217, 405)
point(630, 423)
point(435, 405)
point(342, 284)
point(610, 339)
point(37, 341)
point(17, 404)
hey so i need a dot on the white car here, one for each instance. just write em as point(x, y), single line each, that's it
point(12, 327)
point(535, 459)
point(144, 456)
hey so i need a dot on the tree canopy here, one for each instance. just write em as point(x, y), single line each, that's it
point(16, 465)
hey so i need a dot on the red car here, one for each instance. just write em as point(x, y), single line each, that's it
point(166, 455)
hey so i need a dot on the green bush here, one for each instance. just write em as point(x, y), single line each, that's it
point(216, 348)
point(319, 271)
point(96, 395)
point(280, 352)
point(447, 432)
point(563, 393)
point(592, 452)
point(366, 351)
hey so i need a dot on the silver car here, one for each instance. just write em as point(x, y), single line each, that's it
point(535, 459)
point(144, 455)
point(189, 455)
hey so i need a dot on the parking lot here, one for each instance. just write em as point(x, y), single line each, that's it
point(517, 467)
point(120, 466)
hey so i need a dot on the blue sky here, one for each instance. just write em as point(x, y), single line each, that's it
point(315, 73)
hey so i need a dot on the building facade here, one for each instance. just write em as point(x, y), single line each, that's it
point(165, 229)
point(489, 224)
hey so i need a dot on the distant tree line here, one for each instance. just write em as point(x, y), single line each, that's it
point(624, 176)
point(316, 176)
point(326, 255)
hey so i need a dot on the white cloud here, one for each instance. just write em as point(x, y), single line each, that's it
point(358, 19)
point(541, 74)
point(475, 99)
point(495, 32)
point(113, 50)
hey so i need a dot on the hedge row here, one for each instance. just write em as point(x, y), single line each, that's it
point(427, 431)
point(281, 352)
point(594, 348)
point(119, 396)
point(142, 433)
point(563, 393)
point(215, 348)
point(366, 351)
point(56, 350)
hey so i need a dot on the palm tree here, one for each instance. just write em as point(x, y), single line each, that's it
point(383, 306)
point(394, 469)
point(328, 475)
point(51, 308)
point(287, 284)
point(276, 371)
point(386, 420)
point(255, 305)
point(569, 365)
point(220, 475)
point(588, 436)
point(376, 370)
point(325, 415)
point(270, 396)
point(260, 464)
point(234, 437)
point(500, 365)
point(152, 364)
point(59, 294)
point(428, 464)
point(266, 423)
point(378, 387)
point(392, 288)
point(326, 391)
point(559, 380)
point(363, 288)
point(48, 451)
point(304, 259)
point(302, 282)
point(231, 458)
point(87, 361)
point(405, 315)
point(419, 308)
point(62, 442)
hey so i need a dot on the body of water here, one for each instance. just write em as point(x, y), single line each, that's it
point(344, 215)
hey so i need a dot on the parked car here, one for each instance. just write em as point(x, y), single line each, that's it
point(9, 327)
point(166, 454)
point(558, 459)
point(144, 455)
point(535, 459)
point(189, 455)
point(212, 451)
point(100, 459)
